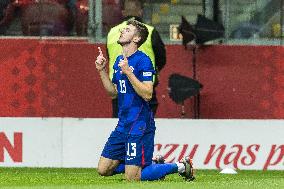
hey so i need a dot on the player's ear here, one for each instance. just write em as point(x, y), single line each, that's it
point(136, 39)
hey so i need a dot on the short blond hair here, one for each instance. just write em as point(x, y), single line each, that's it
point(142, 30)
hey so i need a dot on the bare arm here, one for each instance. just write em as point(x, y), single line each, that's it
point(143, 89)
point(101, 67)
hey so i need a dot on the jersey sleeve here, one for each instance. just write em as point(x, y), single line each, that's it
point(146, 71)
point(115, 68)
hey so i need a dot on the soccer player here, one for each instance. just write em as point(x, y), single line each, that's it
point(130, 146)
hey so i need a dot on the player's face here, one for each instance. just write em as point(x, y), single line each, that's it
point(126, 35)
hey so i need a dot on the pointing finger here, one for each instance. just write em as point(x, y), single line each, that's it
point(100, 50)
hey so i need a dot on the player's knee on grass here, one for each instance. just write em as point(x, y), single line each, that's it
point(106, 166)
point(104, 171)
point(132, 173)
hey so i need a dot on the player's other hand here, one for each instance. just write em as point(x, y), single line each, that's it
point(123, 64)
point(100, 61)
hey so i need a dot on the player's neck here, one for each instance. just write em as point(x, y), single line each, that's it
point(129, 49)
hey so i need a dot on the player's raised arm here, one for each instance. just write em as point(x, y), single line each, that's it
point(101, 67)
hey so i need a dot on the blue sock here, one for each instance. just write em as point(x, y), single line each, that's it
point(158, 171)
point(120, 169)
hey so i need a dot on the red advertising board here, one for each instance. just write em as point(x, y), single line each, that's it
point(57, 78)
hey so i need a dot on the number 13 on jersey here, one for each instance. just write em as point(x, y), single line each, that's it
point(122, 86)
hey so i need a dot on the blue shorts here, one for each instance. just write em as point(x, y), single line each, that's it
point(131, 149)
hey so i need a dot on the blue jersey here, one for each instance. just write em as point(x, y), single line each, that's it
point(135, 115)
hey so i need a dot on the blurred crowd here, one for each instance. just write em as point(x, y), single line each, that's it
point(54, 17)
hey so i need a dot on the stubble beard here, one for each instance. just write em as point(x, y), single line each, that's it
point(123, 43)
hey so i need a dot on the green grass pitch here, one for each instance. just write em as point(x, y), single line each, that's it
point(88, 178)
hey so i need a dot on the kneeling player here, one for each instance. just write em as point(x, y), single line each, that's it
point(130, 146)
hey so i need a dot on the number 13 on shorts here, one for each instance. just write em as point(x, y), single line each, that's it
point(131, 149)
